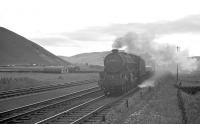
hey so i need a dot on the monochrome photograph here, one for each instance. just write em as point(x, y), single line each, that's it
point(99, 62)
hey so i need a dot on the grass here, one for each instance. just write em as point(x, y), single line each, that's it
point(192, 102)
point(155, 106)
point(192, 106)
point(9, 83)
point(14, 80)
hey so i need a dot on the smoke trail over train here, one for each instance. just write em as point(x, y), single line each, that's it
point(165, 56)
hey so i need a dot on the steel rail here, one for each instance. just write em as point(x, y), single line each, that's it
point(103, 107)
point(91, 113)
point(19, 92)
point(70, 110)
point(50, 102)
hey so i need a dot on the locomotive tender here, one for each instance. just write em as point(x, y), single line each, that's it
point(122, 72)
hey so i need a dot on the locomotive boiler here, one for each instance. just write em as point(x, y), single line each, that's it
point(122, 72)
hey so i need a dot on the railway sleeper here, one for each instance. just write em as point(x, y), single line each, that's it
point(14, 122)
point(42, 111)
point(85, 111)
point(89, 121)
point(25, 118)
point(35, 114)
point(71, 117)
point(97, 118)
point(79, 113)
point(57, 120)
point(20, 119)
point(99, 115)
point(39, 114)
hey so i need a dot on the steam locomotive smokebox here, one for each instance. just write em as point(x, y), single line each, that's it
point(115, 51)
point(122, 72)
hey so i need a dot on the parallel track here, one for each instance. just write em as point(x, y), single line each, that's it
point(41, 110)
point(83, 113)
point(19, 92)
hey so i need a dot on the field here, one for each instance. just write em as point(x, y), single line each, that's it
point(14, 80)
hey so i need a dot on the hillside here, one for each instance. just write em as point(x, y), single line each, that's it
point(15, 49)
point(94, 58)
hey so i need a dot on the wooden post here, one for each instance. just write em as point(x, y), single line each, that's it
point(103, 118)
point(127, 103)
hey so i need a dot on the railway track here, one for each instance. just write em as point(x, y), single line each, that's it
point(88, 112)
point(19, 92)
point(33, 113)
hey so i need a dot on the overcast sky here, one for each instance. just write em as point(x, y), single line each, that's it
point(69, 27)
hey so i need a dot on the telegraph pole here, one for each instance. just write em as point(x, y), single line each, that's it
point(177, 78)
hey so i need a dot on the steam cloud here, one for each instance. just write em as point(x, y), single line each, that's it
point(165, 56)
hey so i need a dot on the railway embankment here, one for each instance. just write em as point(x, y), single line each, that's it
point(192, 108)
point(161, 108)
point(151, 105)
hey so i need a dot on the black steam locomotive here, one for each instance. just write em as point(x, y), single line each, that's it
point(122, 72)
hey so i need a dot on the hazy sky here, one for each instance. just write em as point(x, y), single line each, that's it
point(69, 27)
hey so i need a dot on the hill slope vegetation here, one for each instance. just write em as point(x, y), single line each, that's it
point(94, 58)
point(15, 49)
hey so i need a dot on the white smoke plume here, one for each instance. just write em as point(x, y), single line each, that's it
point(165, 56)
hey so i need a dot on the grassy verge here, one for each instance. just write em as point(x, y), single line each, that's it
point(10, 81)
point(192, 102)
point(157, 105)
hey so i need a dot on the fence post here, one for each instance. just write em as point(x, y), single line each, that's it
point(103, 118)
point(127, 103)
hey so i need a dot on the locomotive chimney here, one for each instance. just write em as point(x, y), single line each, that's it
point(115, 51)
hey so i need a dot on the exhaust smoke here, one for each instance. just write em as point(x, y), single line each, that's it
point(148, 83)
point(165, 56)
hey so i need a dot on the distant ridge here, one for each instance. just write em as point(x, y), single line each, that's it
point(15, 49)
point(97, 58)
point(93, 58)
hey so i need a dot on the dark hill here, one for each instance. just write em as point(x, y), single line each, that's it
point(15, 49)
point(93, 58)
